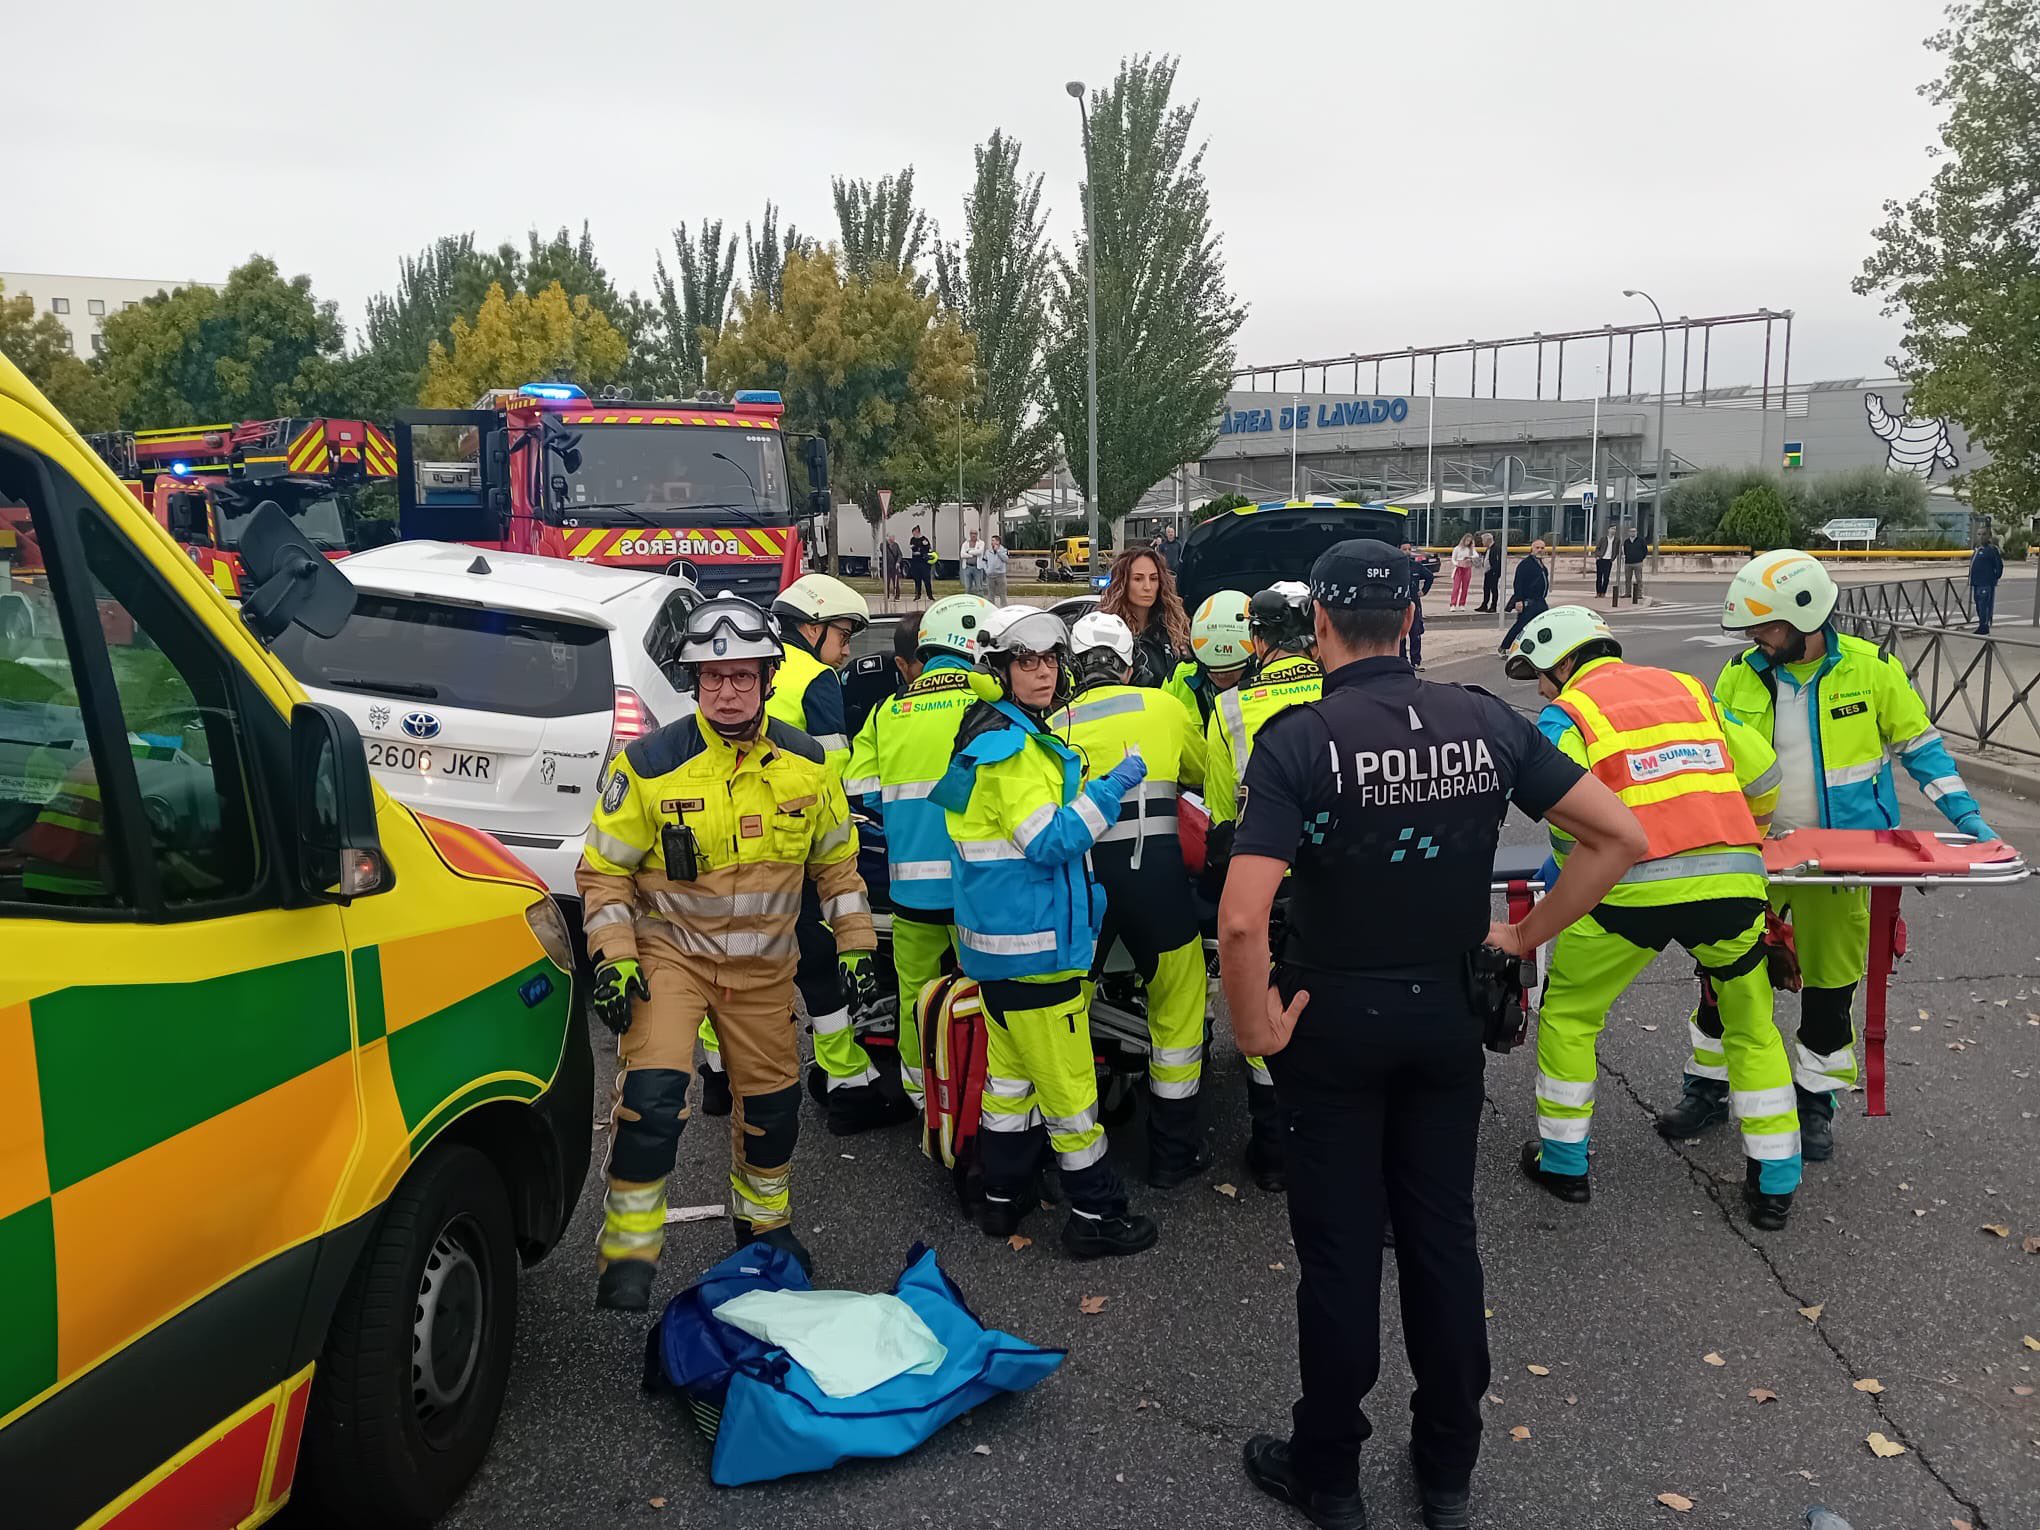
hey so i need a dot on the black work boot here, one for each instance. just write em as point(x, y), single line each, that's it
point(1000, 1217)
point(1816, 1124)
point(1444, 1508)
point(1270, 1469)
point(1267, 1164)
point(626, 1285)
point(1768, 1213)
point(715, 1092)
point(867, 1107)
point(1166, 1174)
point(1703, 1104)
point(1104, 1237)
point(1572, 1188)
point(780, 1237)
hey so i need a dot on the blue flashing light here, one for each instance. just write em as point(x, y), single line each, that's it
point(757, 396)
point(181, 469)
point(553, 390)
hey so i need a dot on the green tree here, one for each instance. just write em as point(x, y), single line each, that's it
point(447, 278)
point(766, 254)
point(998, 285)
point(1756, 520)
point(1960, 262)
point(691, 313)
point(1218, 506)
point(1694, 506)
point(877, 367)
point(517, 338)
point(1896, 501)
point(881, 228)
point(263, 346)
point(41, 346)
point(1166, 320)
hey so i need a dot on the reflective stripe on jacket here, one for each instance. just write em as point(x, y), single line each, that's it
point(899, 754)
point(1238, 715)
point(1021, 822)
point(808, 695)
point(1865, 713)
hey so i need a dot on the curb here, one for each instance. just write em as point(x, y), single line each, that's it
point(2021, 780)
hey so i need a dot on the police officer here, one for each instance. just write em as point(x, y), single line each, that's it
point(1284, 675)
point(1398, 786)
point(1022, 821)
point(897, 757)
point(1140, 865)
point(1220, 649)
point(690, 879)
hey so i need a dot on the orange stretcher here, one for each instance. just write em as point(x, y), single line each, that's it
point(1887, 861)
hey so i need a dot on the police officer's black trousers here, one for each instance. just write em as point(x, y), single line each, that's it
point(1381, 1094)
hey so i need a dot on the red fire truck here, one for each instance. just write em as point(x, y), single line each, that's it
point(202, 482)
point(697, 487)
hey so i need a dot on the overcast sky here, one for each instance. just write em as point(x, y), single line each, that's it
point(1383, 175)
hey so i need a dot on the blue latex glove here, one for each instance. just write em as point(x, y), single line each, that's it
point(1127, 774)
point(1974, 826)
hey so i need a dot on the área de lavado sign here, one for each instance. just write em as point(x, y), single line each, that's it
point(1321, 416)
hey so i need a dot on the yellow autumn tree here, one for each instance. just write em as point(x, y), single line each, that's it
point(519, 339)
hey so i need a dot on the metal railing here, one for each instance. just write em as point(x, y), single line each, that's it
point(1917, 602)
point(1977, 689)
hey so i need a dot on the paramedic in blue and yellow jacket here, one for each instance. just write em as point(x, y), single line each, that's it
point(1022, 821)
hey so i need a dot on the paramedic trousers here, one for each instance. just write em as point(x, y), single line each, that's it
point(1177, 991)
point(648, 1103)
point(1381, 1093)
point(837, 1049)
point(1041, 1091)
point(923, 941)
point(1595, 959)
point(1831, 933)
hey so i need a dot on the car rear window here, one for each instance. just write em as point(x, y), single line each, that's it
point(458, 656)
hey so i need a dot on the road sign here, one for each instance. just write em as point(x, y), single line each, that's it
point(884, 503)
point(1587, 498)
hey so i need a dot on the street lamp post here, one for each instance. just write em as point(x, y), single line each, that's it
point(1664, 457)
point(1076, 90)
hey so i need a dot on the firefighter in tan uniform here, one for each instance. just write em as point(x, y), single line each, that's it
point(691, 884)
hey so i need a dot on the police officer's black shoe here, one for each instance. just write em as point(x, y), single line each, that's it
point(1103, 1237)
point(1703, 1104)
point(780, 1237)
point(1572, 1188)
point(1271, 1470)
point(1000, 1218)
point(626, 1285)
point(867, 1107)
point(1167, 1175)
point(1267, 1165)
point(1444, 1508)
point(1816, 1124)
point(715, 1092)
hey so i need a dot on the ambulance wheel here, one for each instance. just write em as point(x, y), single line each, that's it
point(406, 1395)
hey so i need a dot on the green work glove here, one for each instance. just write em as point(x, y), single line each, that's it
point(616, 984)
point(860, 978)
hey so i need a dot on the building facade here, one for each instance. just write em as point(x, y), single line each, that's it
point(81, 303)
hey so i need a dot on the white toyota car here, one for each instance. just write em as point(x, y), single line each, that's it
point(492, 688)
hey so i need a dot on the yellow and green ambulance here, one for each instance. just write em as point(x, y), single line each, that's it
point(291, 1079)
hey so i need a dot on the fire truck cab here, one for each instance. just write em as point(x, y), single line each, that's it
point(697, 487)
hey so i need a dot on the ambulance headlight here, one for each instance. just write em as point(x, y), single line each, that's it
point(550, 926)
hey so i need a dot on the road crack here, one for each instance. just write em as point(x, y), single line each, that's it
point(1713, 1188)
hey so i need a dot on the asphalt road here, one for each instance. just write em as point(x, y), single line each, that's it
point(1621, 1301)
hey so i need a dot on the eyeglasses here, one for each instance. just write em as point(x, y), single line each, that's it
point(1035, 660)
point(740, 681)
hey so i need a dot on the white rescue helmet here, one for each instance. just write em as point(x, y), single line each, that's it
point(821, 598)
point(955, 624)
point(1023, 629)
point(1551, 636)
point(726, 629)
point(1783, 586)
point(1096, 630)
point(1218, 632)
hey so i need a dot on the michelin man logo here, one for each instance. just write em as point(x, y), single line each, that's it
point(1916, 446)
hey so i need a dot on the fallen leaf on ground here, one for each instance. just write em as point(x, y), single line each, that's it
point(1019, 1241)
point(2022, 1391)
point(1919, 1211)
point(1490, 1311)
point(1925, 1016)
point(1650, 1027)
point(1571, 1401)
point(1119, 1476)
point(1997, 1229)
point(1868, 1384)
point(657, 1503)
point(1520, 1432)
point(1494, 1399)
point(1713, 1359)
point(2031, 1343)
point(981, 1450)
point(1145, 1403)
point(1677, 1501)
point(1091, 1306)
point(1231, 1190)
point(1538, 1370)
point(1763, 1394)
point(1812, 1314)
point(1956, 1046)
point(2031, 1245)
point(1960, 1524)
point(1278, 1265)
point(1883, 1448)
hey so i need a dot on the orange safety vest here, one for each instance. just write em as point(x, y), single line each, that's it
point(1654, 738)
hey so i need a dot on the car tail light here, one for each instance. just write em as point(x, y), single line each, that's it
point(631, 719)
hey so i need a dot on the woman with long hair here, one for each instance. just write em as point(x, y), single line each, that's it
point(1463, 559)
point(1141, 592)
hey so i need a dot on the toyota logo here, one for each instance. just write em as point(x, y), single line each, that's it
point(421, 725)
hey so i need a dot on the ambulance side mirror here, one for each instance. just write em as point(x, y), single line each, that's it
point(340, 854)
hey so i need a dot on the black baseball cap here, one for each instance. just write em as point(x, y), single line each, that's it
point(1362, 574)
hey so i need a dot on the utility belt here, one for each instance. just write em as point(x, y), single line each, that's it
point(1492, 982)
